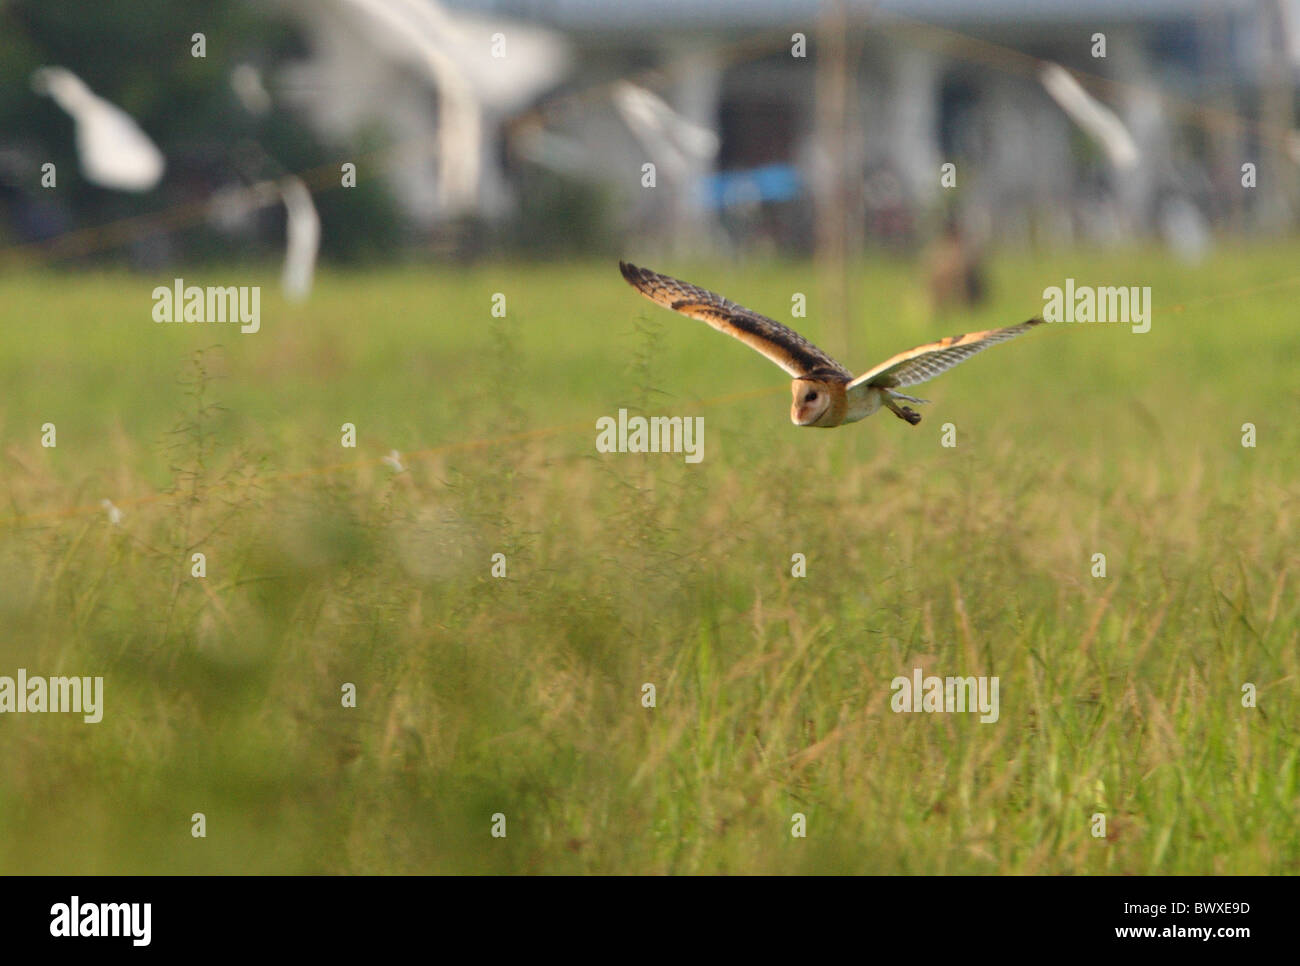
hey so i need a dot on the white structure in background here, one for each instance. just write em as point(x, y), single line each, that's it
point(302, 238)
point(113, 151)
point(675, 142)
point(480, 69)
point(421, 32)
point(684, 149)
point(246, 82)
point(1094, 117)
point(231, 211)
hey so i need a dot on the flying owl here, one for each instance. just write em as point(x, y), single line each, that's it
point(825, 393)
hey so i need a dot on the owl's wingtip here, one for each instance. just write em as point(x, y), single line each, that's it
point(629, 270)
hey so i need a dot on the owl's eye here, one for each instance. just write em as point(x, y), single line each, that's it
point(810, 397)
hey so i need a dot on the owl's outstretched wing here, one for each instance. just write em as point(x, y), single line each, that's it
point(787, 348)
point(927, 361)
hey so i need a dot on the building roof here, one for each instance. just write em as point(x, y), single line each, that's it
point(617, 15)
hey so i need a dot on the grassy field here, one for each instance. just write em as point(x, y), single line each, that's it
point(522, 696)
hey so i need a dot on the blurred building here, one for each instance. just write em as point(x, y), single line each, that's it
point(890, 91)
point(791, 124)
point(887, 93)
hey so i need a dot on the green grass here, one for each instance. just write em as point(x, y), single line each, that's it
point(522, 695)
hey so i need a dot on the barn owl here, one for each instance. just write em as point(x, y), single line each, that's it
point(825, 393)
